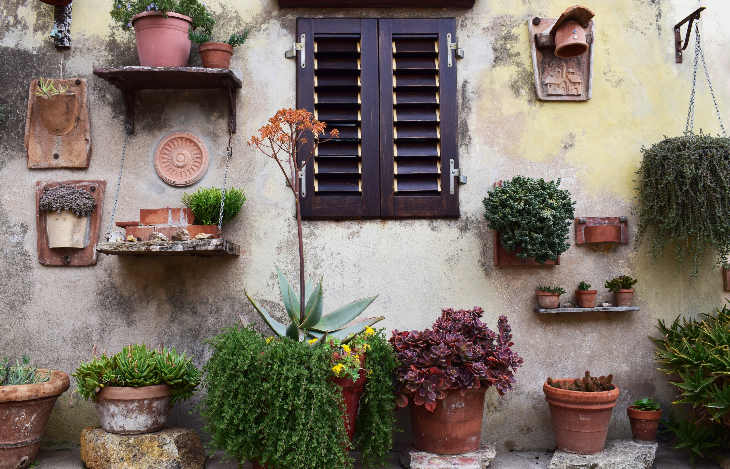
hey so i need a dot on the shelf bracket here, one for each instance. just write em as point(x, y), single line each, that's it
point(128, 97)
point(231, 109)
point(678, 35)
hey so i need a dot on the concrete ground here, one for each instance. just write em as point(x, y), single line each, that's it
point(68, 457)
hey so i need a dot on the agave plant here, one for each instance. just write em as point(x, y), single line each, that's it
point(313, 326)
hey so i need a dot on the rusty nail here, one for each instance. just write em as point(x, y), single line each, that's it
point(92, 188)
point(78, 82)
point(582, 221)
point(536, 21)
point(66, 260)
point(56, 156)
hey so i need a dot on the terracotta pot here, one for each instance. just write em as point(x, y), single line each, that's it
point(624, 297)
point(586, 298)
point(455, 425)
point(58, 112)
point(580, 419)
point(602, 234)
point(644, 423)
point(215, 54)
point(133, 411)
point(67, 230)
point(24, 412)
point(162, 42)
point(570, 40)
point(548, 300)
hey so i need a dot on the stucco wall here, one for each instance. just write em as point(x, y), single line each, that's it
point(416, 267)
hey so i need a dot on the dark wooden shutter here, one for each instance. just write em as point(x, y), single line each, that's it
point(339, 85)
point(417, 118)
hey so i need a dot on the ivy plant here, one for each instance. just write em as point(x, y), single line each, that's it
point(533, 217)
point(682, 198)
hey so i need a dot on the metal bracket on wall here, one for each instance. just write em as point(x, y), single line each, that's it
point(61, 32)
point(303, 180)
point(678, 35)
point(297, 46)
point(454, 173)
point(453, 46)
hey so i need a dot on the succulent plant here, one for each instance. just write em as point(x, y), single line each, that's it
point(623, 282)
point(21, 373)
point(646, 404)
point(558, 290)
point(67, 197)
point(583, 286)
point(587, 384)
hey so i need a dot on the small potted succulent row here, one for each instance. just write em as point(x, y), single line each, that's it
point(549, 297)
point(216, 54)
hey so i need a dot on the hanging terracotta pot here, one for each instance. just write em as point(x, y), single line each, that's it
point(570, 40)
point(58, 112)
point(162, 42)
point(455, 425)
point(586, 298)
point(580, 419)
point(216, 54)
point(624, 297)
point(24, 412)
point(548, 300)
point(133, 411)
point(644, 423)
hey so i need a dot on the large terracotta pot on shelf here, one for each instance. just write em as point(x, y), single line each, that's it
point(24, 412)
point(133, 411)
point(215, 54)
point(624, 297)
point(455, 425)
point(644, 423)
point(162, 42)
point(580, 419)
point(586, 298)
point(548, 300)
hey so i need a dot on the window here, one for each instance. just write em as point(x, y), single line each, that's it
point(387, 87)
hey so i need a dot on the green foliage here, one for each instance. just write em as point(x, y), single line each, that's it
point(46, 88)
point(695, 354)
point(21, 373)
point(532, 215)
point(315, 325)
point(583, 286)
point(206, 204)
point(234, 40)
point(682, 197)
point(623, 282)
point(67, 197)
point(646, 404)
point(138, 366)
point(558, 290)
point(587, 384)
point(123, 11)
point(273, 401)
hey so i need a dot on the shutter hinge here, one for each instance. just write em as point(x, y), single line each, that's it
point(453, 46)
point(303, 180)
point(455, 172)
point(297, 46)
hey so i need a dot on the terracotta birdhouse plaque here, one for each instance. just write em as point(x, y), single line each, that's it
point(57, 125)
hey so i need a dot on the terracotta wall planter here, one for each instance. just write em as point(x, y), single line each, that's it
point(644, 423)
point(162, 42)
point(24, 412)
point(133, 411)
point(216, 54)
point(548, 300)
point(586, 298)
point(580, 419)
point(624, 297)
point(504, 258)
point(454, 427)
point(67, 230)
point(58, 112)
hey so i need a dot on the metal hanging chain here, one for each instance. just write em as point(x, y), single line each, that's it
point(690, 114)
point(229, 153)
point(127, 131)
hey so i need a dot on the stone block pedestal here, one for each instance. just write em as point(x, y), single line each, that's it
point(617, 454)
point(171, 448)
point(480, 459)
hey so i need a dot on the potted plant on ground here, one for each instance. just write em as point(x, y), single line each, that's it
point(621, 288)
point(216, 54)
point(532, 217)
point(644, 417)
point(549, 297)
point(134, 390)
point(161, 28)
point(57, 107)
point(206, 206)
point(27, 396)
point(444, 373)
point(581, 411)
point(67, 215)
point(584, 296)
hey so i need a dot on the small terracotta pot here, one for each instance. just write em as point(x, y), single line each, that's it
point(624, 297)
point(644, 423)
point(195, 230)
point(586, 298)
point(133, 411)
point(570, 40)
point(162, 42)
point(215, 54)
point(58, 112)
point(548, 300)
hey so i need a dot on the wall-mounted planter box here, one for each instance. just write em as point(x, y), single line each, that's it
point(376, 3)
point(595, 230)
point(504, 258)
point(603, 309)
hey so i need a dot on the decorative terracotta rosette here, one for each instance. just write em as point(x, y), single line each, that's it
point(181, 159)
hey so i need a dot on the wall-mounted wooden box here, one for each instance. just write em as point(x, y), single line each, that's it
point(594, 230)
point(504, 258)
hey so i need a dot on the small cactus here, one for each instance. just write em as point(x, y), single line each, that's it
point(586, 384)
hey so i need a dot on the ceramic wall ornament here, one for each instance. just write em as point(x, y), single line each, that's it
point(562, 55)
point(57, 133)
point(181, 159)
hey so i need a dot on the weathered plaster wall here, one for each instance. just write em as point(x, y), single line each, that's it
point(416, 267)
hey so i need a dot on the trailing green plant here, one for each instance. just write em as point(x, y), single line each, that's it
point(123, 11)
point(682, 197)
point(586, 384)
point(206, 204)
point(533, 217)
point(137, 366)
point(583, 286)
point(273, 401)
point(21, 373)
point(556, 290)
point(623, 282)
point(47, 88)
point(694, 353)
point(646, 404)
point(234, 40)
point(67, 197)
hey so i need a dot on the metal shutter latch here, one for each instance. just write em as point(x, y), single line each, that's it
point(452, 46)
point(303, 180)
point(299, 46)
point(455, 172)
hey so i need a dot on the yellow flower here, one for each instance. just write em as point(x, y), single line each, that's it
point(346, 348)
point(269, 339)
point(366, 347)
point(313, 340)
point(369, 331)
point(337, 368)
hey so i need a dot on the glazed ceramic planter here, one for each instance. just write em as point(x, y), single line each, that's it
point(216, 54)
point(58, 112)
point(586, 298)
point(624, 297)
point(133, 411)
point(455, 425)
point(24, 412)
point(67, 230)
point(580, 419)
point(644, 423)
point(548, 300)
point(162, 42)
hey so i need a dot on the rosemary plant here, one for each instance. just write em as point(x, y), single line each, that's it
point(206, 204)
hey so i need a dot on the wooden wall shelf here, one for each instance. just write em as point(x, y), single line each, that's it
point(194, 247)
point(604, 309)
point(376, 3)
point(131, 79)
